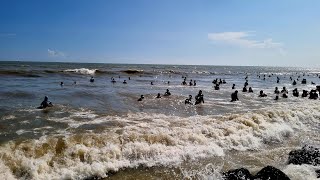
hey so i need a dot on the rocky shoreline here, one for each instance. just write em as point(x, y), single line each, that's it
point(306, 155)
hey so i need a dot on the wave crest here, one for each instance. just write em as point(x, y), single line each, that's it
point(82, 71)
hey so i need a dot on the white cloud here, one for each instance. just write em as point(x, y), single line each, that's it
point(242, 39)
point(55, 53)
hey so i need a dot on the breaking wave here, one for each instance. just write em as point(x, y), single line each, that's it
point(82, 71)
point(149, 140)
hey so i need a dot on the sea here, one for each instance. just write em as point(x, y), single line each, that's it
point(99, 130)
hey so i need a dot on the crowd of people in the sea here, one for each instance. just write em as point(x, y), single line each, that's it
point(199, 98)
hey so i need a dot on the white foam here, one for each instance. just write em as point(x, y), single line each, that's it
point(83, 117)
point(298, 172)
point(209, 172)
point(22, 131)
point(82, 71)
point(155, 140)
point(5, 172)
point(8, 117)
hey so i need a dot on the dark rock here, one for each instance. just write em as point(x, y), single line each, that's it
point(271, 173)
point(266, 173)
point(318, 173)
point(306, 155)
point(238, 174)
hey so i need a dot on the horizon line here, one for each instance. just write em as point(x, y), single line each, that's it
point(121, 63)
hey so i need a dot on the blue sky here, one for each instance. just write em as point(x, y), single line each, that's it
point(273, 32)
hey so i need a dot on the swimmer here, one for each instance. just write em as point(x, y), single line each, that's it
point(295, 92)
point(167, 93)
point(216, 87)
point(141, 98)
point(190, 83)
point(188, 100)
point(124, 82)
point(92, 79)
point(113, 81)
point(215, 81)
point(313, 94)
point(250, 90)
point(234, 96)
point(276, 90)
point(199, 98)
point(244, 89)
point(194, 83)
point(233, 86)
point(151, 83)
point(61, 83)
point(284, 90)
point(45, 103)
point(184, 82)
point(294, 82)
point(262, 94)
point(246, 83)
point(284, 95)
point(158, 96)
point(304, 93)
point(277, 97)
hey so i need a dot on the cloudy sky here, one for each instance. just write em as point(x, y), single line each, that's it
point(271, 33)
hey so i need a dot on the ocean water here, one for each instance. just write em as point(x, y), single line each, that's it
point(100, 130)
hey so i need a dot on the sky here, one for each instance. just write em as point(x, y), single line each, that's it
point(204, 32)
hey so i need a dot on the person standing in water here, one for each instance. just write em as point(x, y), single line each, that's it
point(45, 103)
point(199, 98)
point(167, 93)
point(141, 98)
point(234, 96)
point(262, 94)
point(188, 100)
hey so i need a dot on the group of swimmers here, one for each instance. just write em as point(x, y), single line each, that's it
point(167, 93)
point(217, 83)
point(191, 83)
point(198, 99)
point(234, 96)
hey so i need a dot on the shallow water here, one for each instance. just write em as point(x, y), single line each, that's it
point(100, 129)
